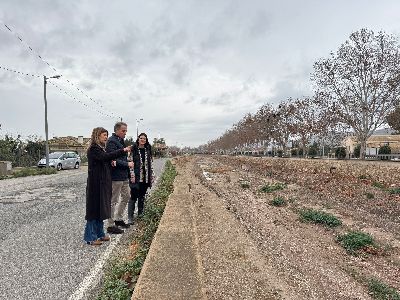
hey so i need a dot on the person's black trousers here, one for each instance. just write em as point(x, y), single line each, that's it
point(138, 193)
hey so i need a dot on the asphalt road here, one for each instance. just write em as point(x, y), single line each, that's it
point(42, 253)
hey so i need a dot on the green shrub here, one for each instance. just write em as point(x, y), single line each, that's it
point(278, 201)
point(244, 185)
point(370, 196)
point(279, 153)
point(354, 241)
point(269, 188)
point(313, 150)
point(357, 150)
point(340, 152)
point(385, 150)
point(319, 217)
point(382, 291)
point(378, 185)
point(294, 152)
point(394, 191)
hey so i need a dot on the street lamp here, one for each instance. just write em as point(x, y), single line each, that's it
point(46, 126)
point(137, 126)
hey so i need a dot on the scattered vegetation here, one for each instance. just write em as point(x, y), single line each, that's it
point(378, 185)
point(381, 291)
point(355, 241)
point(369, 195)
point(278, 201)
point(395, 191)
point(122, 276)
point(269, 188)
point(319, 217)
point(245, 184)
point(340, 152)
point(33, 171)
point(24, 172)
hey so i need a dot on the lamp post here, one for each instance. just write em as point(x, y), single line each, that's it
point(137, 126)
point(46, 126)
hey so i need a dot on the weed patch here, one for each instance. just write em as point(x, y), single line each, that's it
point(269, 188)
point(278, 201)
point(319, 217)
point(355, 241)
point(245, 184)
point(381, 291)
point(369, 195)
point(34, 171)
point(120, 280)
point(378, 185)
point(395, 191)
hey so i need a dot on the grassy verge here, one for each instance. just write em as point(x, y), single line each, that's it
point(24, 172)
point(124, 272)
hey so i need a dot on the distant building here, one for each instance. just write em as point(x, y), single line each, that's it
point(374, 142)
point(70, 143)
point(159, 147)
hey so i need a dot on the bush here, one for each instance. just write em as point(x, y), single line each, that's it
point(279, 153)
point(293, 152)
point(395, 191)
point(385, 150)
point(357, 150)
point(370, 196)
point(340, 152)
point(245, 185)
point(382, 291)
point(320, 217)
point(269, 188)
point(355, 241)
point(313, 150)
point(378, 185)
point(278, 201)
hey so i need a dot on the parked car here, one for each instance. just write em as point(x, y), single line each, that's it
point(61, 160)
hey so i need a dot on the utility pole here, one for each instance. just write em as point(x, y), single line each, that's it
point(46, 125)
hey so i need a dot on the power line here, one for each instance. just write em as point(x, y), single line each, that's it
point(80, 102)
point(53, 68)
point(59, 88)
point(19, 72)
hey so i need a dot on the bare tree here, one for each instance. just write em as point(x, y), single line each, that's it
point(361, 81)
point(393, 119)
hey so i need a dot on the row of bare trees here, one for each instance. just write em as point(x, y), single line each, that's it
point(356, 89)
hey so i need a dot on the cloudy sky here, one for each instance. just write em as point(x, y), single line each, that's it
point(189, 69)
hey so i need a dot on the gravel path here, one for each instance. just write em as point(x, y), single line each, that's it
point(42, 253)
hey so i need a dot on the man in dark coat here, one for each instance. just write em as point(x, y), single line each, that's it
point(120, 180)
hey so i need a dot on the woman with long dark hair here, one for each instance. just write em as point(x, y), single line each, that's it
point(142, 175)
point(98, 188)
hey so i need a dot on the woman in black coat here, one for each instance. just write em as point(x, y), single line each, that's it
point(98, 188)
point(143, 175)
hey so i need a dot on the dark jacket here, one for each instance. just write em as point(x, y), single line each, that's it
point(121, 171)
point(138, 164)
point(98, 188)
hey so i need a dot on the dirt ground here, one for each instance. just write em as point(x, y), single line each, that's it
point(252, 250)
